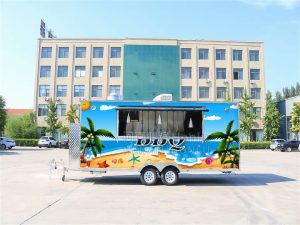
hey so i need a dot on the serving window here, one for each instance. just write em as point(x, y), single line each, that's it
point(160, 122)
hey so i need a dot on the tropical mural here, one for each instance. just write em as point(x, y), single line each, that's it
point(216, 148)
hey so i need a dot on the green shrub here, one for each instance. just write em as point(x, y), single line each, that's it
point(255, 145)
point(26, 142)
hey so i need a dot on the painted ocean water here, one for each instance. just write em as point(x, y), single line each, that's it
point(192, 153)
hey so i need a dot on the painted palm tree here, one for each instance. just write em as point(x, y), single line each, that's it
point(93, 141)
point(226, 148)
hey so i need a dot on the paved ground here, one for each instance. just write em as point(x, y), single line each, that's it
point(266, 191)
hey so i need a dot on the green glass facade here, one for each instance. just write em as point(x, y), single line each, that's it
point(150, 70)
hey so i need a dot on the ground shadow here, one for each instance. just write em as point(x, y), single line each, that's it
point(8, 152)
point(250, 179)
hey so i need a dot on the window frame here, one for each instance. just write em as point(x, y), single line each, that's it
point(220, 54)
point(63, 54)
point(80, 52)
point(187, 74)
point(46, 52)
point(185, 53)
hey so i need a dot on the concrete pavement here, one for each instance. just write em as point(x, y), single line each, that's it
point(266, 191)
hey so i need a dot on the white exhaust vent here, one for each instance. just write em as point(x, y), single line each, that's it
point(163, 98)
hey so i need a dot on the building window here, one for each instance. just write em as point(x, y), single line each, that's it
point(46, 52)
point(42, 110)
point(186, 53)
point(221, 92)
point(96, 90)
point(257, 112)
point(115, 71)
point(62, 71)
point(61, 109)
point(45, 71)
point(238, 74)
point(78, 90)
point(203, 72)
point(61, 91)
point(203, 92)
point(238, 92)
point(115, 52)
point(203, 53)
point(63, 52)
point(186, 72)
point(237, 55)
point(97, 71)
point(220, 54)
point(255, 93)
point(254, 55)
point(114, 89)
point(98, 52)
point(80, 52)
point(254, 74)
point(186, 92)
point(79, 71)
point(44, 90)
point(221, 73)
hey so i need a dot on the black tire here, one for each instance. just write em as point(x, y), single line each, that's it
point(149, 176)
point(2, 147)
point(169, 176)
point(50, 145)
point(289, 149)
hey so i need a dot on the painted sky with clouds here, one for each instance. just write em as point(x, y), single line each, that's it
point(104, 114)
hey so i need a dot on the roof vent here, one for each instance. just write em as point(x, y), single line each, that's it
point(163, 98)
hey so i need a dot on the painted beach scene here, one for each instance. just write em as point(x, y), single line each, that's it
point(128, 135)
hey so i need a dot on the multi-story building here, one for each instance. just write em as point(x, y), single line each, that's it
point(70, 70)
point(285, 107)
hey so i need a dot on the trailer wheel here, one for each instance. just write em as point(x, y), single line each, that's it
point(149, 176)
point(169, 176)
point(63, 178)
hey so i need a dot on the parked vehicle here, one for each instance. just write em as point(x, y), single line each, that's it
point(159, 139)
point(289, 146)
point(47, 141)
point(64, 144)
point(275, 142)
point(7, 143)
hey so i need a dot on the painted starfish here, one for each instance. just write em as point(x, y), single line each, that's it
point(134, 159)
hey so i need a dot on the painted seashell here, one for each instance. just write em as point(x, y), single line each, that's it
point(120, 160)
point(114, 161)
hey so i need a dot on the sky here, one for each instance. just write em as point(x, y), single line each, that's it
point(275, 22)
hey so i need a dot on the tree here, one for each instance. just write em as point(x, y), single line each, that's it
point(22, 127)
point(92, 138)
point(2, 114)
point(286, 92)
point(52, 119)
point(295, 120)
point(272, 119)
point(247, 117)
point(293, 91)
point(227, 95)
point(278, 96)
point(72, 116)
point(226, 148)
point(297, 88)
point(64, 130)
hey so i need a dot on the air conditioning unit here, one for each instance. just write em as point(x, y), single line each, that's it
point(45, 118)
point(57, 99)
point(46, 98)
point(81, 98)
point(208, 80)
point(225, 81)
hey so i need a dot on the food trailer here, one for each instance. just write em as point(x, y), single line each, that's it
point(159, 139)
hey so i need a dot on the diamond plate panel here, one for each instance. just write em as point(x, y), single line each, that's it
point(74, 145)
